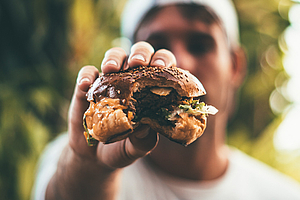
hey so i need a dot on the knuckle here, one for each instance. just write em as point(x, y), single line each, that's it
point(166, 56)
point(142, 46)
point(164, 51)
point(87, 69)
point(115, 51)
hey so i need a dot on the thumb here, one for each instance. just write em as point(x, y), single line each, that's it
point(123, 153)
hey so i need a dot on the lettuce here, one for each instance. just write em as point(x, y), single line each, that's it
point(197, 108)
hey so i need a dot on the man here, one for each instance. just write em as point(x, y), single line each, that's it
point(199, 36)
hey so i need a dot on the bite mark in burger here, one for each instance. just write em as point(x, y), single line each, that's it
point(163, 98)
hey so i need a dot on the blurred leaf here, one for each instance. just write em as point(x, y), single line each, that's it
point(44, 43)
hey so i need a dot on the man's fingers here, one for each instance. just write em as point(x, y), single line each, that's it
point(86, 77)
point(113, 60)
point(79, 104)
point(163, 58)
point(140, 54)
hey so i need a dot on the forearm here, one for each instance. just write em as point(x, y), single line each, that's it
point(78, 178)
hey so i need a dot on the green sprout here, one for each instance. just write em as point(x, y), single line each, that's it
point(90, 140)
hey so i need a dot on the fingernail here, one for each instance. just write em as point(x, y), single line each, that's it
point(111, 62)
point(159, 62)
point(138, 57)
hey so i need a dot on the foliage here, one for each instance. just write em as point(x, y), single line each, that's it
point(45, 42)
point(261, 27)
point(34, 89)
point(254, 124)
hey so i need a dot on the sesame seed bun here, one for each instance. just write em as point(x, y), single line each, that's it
point(126, 82)
point(120, 101)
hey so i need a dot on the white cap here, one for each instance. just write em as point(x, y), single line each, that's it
point(136, 10)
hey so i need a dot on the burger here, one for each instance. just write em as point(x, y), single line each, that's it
point(166, 99)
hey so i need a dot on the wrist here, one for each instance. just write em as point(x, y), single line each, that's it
point(82, 178)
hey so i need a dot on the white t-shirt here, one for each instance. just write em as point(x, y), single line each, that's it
point(245, 179)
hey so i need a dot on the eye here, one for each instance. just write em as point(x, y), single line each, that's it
point(198, 48)
point(200, 44)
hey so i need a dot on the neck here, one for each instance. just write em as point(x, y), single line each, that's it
point(205, 159)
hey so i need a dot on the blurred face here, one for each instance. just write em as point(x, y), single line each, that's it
point(198, 46)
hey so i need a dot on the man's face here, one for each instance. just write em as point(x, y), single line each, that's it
point(198, 47)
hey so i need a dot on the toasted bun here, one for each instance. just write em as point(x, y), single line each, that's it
point(111, 94)
point(122, 84)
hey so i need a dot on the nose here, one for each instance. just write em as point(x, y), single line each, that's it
point(184, 58)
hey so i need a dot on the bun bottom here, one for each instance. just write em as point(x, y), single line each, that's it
point(106, 122)
point(187, 128)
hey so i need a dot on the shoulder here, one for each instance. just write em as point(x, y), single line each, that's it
point(259, 178)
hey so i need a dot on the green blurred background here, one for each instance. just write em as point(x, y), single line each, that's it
point(44, 43)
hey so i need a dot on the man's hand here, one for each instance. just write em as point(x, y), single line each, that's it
point(94, 168)
point(143, 140)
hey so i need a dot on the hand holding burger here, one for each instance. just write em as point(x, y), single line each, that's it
point(99, 165)
point(138, 130)
point(165, 98)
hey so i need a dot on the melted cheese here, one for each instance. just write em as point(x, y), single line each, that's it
point(161, 91)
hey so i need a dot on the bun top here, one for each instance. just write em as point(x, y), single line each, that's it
point(122, 84)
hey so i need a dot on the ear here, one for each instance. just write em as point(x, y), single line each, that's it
point(239, 71)
point(239, 67)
